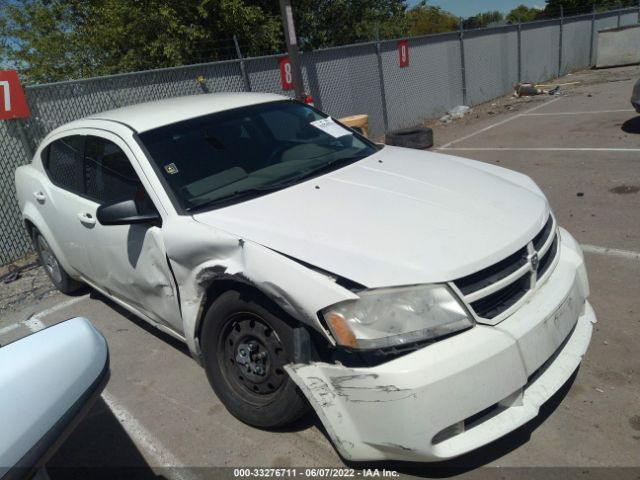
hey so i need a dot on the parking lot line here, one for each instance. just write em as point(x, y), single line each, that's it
point(145, 440)
point(497, 124)
point(593, 112)
point(34, 323)
point(614, 252)
point(9, 328)
point(541, 149)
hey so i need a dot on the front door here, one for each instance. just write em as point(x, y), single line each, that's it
point(128, 261)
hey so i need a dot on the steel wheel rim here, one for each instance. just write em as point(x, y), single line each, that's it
point(49, 261)
point(247, 379)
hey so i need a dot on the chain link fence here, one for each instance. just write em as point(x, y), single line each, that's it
point(449, 69)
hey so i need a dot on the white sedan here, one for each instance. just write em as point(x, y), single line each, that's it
point(424, 305)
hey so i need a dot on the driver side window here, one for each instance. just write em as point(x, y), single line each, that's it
point(109, 175)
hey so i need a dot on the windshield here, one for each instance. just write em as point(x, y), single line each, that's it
point(230, 156)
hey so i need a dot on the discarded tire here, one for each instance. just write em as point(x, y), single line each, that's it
point(417, 137)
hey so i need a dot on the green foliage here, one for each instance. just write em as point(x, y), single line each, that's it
point(51, 40)
point(59, 39)
point(522, 13)
point(575, 7)
point(484, 19)
point(424, 19)
point(327, 23)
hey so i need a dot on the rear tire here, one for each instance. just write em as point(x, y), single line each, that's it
point(58, 276)
point(245, 345)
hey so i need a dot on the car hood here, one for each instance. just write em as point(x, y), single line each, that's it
point(398, 217)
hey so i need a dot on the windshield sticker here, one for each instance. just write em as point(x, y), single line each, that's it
point(327, 125)
point(171, 169)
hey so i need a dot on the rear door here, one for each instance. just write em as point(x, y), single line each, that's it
point(61, 202)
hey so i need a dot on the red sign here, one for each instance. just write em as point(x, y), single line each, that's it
point(13, 104)
point(403, 53)
point(286, 73)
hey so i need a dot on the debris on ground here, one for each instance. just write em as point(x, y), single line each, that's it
point(530, 89)
point(15, 271)
point(455, 113)
point(580, 194)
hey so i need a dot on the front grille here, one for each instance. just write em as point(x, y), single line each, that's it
point(494, 291)
point(492, 274)
point(494, 304)
point(547, 258)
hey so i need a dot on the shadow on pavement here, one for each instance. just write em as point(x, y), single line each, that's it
point(99, 448)
point(147, 327)
point(632, 125)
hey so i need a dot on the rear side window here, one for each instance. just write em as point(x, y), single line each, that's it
point(109, 175)
point(63, 162)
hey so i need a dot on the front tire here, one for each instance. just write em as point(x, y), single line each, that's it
point(245, 345)
point(58, 276)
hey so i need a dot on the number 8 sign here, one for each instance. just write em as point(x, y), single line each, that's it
point(403, 53)
point(286, 74)
point(12, 101)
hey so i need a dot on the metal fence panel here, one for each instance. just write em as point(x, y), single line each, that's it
point(14, 242)
point(603, 20)
point(55, 104)
point(540, 50)
point(630, 18)
point(491, 58)
point(576, 36)
point(430, 85)
point(345, 81)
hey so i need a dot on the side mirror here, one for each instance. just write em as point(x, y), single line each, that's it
point(126, 212)
point(49, 381)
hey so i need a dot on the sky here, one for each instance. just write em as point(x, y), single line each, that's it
point(468, 8)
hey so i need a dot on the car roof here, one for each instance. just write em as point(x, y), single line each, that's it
point(147, 116)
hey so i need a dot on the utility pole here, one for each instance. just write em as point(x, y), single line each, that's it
point(292, 47)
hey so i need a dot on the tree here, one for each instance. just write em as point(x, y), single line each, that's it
point(484, 19)
point(59, 39)
point(424, 19)
point(522, 13)
point(327, 23)
point(575, 7)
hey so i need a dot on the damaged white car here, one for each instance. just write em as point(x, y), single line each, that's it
point(424, 305)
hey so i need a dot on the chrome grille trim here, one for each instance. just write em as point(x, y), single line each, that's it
point(505, 295)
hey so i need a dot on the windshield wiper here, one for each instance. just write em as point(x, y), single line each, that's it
point(314, 172)
point(271, 187)
point(250, 192)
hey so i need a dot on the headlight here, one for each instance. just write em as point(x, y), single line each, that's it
point(396, 316)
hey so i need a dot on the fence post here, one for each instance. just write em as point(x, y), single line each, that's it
point(462, 64)
point(383, 94)
point(619, 7)
point(560, 41)
point(519, 48)
point(243, 69)
point(593, 34)
point(27, 144)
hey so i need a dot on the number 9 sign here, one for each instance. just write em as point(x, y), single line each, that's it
point(403, 53)
point(12, 101)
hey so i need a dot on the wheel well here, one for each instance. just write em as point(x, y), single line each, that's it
point(218, 287)
point(30, 227)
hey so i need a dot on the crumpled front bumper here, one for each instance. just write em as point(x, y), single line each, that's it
point(463, 392)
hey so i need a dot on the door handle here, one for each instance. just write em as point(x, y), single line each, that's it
point(39, 196)
point(87, 218)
